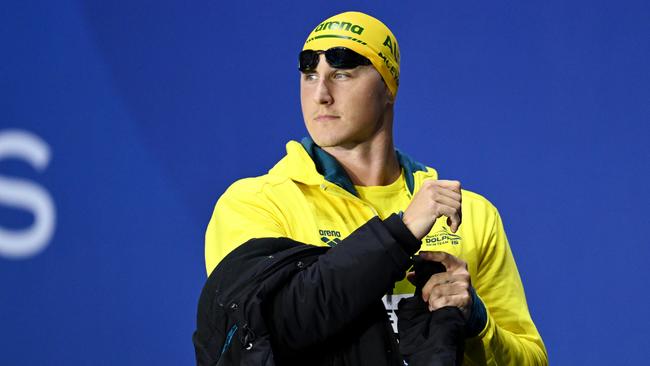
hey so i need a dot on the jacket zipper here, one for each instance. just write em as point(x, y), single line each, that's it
point(340, 192)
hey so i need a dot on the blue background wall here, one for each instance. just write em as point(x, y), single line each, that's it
point(150, 109)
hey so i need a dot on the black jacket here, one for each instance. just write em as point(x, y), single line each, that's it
point(274, 301)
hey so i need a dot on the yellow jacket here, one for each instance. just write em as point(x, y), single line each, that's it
point(294, 200)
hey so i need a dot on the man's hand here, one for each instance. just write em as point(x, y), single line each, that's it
point(449, 288)
point(434, 199)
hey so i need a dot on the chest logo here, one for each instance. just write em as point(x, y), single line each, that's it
point(330, 237)
point(442, 237)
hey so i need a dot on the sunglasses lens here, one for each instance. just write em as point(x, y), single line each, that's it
point(307, 60)
point(344, 58)
point(337, 57)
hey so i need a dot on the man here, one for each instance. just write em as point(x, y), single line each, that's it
point(348, 188)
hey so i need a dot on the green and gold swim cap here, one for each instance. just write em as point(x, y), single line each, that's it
point(363, 34)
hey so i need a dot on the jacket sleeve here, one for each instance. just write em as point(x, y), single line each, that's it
point(509, 336)
point(331, 293)
point(240, 214)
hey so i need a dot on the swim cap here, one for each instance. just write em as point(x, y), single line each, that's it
point(366, 36)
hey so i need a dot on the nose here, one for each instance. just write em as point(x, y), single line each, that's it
point(323, 94)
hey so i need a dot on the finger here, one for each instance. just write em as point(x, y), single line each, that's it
point(454, 185)
point(435, 256)
point(434, 281)
point(444, 200)
point(458, 276)
point(452, 214)
point(456, 196)
point(460, 300)
point(450, 262)
point(446, 211)
point(448, 289)
point(454, 222)
point(461, 275)
point(449, 207)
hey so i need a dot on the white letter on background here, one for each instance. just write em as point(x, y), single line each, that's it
point(23, 194)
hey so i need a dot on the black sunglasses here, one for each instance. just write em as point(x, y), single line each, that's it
point(337, 57)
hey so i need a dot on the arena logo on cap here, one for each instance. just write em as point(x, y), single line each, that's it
point(334, 25)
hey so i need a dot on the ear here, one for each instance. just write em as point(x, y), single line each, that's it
point(390, 98)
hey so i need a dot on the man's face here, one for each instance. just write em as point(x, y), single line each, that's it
point(343, 107)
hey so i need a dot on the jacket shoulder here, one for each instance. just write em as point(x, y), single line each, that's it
point(254, 185)
point(479, 214)
point(477, 201)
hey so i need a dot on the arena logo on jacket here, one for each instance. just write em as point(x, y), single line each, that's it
point(330, 237)
point(441, 237)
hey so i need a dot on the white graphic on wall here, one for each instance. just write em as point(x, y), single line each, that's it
point(25, 195)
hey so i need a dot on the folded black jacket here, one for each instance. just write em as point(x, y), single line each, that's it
point(275, 301)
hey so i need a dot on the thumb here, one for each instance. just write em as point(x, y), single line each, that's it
point(410, 276)
point(449, 261)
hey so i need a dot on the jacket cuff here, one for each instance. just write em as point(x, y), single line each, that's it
point(478, 316)
point(402, 234)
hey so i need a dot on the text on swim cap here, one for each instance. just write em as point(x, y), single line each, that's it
point(392, 46)
point(391, 68)
point(357, 29)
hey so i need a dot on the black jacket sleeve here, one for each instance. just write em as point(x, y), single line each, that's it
point(322, 299)
point(429, 338)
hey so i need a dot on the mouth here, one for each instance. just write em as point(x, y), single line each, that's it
point(325, 117)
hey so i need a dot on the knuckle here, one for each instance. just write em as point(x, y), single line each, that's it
point(440, 256)
point(462, 297)
point(427, 289)
point(437, 303)
point(465, 287)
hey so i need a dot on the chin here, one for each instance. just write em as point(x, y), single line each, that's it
point(325, 139)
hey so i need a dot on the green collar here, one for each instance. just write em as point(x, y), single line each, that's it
point(333, 172)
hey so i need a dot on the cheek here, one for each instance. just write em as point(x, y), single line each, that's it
point(372, 103)
point(305, 99)
point(303, 93)
point(373, 92)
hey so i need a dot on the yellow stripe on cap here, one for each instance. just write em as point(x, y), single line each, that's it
point(363, 34)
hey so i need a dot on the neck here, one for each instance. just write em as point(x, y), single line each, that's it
point(372, 162)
